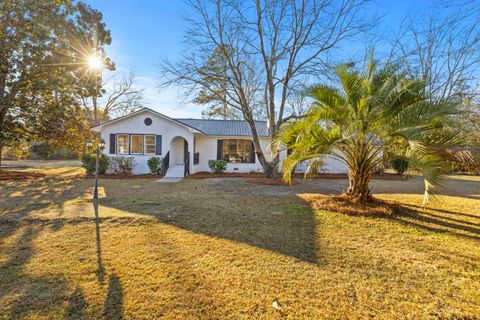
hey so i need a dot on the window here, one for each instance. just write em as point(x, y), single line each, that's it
point(237, 151)
point(147, 121)
point(122, 143)
point(150, 143)
point(136, 144)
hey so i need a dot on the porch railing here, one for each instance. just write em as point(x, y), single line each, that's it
point(165, 163)
point(186, 164)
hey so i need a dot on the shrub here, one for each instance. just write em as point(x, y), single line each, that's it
point(399, 164)
point(65, 154)
point(217, 166)
point(123, 165)
point(41, 150)
point(379, 169)
point(155, 165)
point(88, 163)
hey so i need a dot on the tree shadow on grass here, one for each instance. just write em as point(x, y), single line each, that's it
point(77, 305)
point(431, 219)
point(23, 205)
point(113, 307)
point(32, 294)
point(229, 210)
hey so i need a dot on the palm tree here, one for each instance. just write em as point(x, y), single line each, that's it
point(373, 110)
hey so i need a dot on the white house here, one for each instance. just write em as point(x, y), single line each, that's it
point(146, 133)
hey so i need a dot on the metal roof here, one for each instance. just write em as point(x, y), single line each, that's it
point(209, 127)
point(213, 127)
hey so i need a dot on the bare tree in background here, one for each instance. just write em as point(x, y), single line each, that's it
point(271, 50)
point(442, 49)
point(119, 96)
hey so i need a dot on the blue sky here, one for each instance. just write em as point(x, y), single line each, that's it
point(144, 31)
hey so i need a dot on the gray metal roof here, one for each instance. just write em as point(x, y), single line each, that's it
point(212, 127)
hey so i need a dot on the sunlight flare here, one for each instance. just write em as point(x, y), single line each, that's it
point(95, 63)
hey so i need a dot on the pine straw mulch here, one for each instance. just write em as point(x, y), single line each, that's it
point(274, 182)
point(123, 176)
point(344, 204)
point(208, 175)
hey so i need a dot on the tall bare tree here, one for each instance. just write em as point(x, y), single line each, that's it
point(271, 49)
point(118, 96)
point(442, 48)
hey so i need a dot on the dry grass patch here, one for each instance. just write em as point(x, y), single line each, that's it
point(19, 175)
point(227, 248)
point(34, 169)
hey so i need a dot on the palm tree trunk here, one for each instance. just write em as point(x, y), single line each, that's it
point(358, 188)
point(360, 173)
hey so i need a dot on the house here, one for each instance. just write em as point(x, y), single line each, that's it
point(146, 133)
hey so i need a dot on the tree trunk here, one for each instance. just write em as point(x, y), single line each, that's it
point(271, 168)
point(358, 188)
point(1, 148)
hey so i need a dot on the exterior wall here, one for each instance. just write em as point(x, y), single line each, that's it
point(205, 145)
point(331, 165)
point(207, 148)
point(160, 126)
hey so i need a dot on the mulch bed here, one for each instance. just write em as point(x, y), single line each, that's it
point(123, 176)
point(343, 204)
point(207, 175)
point(20, 175)
point(385, 176)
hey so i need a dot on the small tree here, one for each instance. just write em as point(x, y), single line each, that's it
point(373, 110)
point(400, 165)
point(265, 52)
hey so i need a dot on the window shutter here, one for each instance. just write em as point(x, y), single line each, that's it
point(112, 143)
point(219, 149)
point(158, 147)
point(252, 152)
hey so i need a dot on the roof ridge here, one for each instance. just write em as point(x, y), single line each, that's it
point(217, 119)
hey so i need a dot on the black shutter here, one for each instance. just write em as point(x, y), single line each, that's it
point(252, 152)
point(219, 149)
point(112, 143)
point(158, 147)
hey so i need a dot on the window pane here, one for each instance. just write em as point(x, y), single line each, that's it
point(122, 144)
point(137, 144)
point(150, 146)
point(236, 150)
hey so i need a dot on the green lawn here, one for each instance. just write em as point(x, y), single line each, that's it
point(226, 248)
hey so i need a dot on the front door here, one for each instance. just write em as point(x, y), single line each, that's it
point(178, 149)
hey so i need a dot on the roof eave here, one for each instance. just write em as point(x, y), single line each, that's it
point(100, 126)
